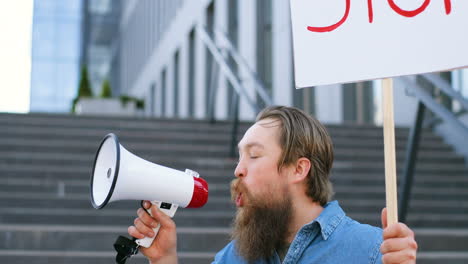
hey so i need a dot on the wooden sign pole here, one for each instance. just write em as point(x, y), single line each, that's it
point(389, 149)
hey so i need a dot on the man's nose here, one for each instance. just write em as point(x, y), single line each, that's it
point(239, 172)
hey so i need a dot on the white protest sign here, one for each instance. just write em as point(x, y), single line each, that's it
point(338, 41)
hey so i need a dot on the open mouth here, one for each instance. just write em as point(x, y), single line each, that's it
point(239, 201)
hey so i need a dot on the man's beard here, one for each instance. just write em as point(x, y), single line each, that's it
point(261, 225)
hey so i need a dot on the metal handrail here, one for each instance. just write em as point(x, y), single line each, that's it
point(434, 106)
point(426, 100)
point(446, 88)
point(224, 67)
point(221, 59)
point(260, 87)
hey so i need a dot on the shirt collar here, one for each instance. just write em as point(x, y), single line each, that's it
point(329, 218)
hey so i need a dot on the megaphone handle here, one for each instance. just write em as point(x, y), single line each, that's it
point(168, 209)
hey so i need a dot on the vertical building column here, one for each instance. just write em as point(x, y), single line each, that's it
point(200, 73)
point(282, 53)
point(405, 113)
point(221, 14)
point(158, 100)
point(329, 107)
point(247, 47)
point(183, 82)
point(170, 87)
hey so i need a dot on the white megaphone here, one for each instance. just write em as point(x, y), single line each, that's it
point(120, 175)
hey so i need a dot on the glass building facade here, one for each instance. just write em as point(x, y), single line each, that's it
point(100, 43)
point(55, 66)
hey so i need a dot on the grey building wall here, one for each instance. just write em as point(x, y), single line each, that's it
point(142, 26)
point(163, 60)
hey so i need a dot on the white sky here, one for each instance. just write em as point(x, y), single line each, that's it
point(15, 54)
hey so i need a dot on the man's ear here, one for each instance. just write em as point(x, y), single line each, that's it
point(301, 170)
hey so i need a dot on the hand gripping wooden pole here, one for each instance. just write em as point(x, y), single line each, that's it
point(389, 149)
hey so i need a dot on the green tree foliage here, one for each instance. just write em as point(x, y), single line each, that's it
point(84, 89)
point(139, 103)
point(106, 91)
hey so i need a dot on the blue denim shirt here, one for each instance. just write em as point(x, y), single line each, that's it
point(332, 237)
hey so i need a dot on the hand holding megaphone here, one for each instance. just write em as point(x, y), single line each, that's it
point(120, 175)
point(165, 243)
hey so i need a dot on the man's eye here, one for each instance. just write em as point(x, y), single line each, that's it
point(254, 157)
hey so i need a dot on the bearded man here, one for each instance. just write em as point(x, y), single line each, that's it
point(284, 213)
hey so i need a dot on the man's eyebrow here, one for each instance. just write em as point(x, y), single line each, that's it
point(251, 145)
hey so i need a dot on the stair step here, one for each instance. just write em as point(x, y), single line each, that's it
point(100, 238)
point(442, 239)
point(428, 220)
point(63, 187)
point(207, 216)
point(341, 140)
point(84, 157)
point(442, 257)
point(87, 257)
point(339, 167)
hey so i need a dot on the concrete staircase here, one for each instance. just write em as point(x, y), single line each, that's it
point(46, 160)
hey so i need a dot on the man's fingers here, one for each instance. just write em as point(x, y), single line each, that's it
point(397, 244)
point(405, 256)
point(397, 230)
point(384, 218)
point(162, 218)
point(144, 229)
point(146, 218)
point(146, 204)
point(132, 231)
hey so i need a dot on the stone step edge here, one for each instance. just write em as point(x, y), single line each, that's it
point(93, 254)
point(89, 254)
point(412, 217)
point(190, 230)
point(446, 255)
point(443, 255)
point(220, 198)
point(441, 231)
point(109, 213)
point(105, 229)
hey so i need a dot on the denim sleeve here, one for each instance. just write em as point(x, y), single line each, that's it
point(376, 256)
